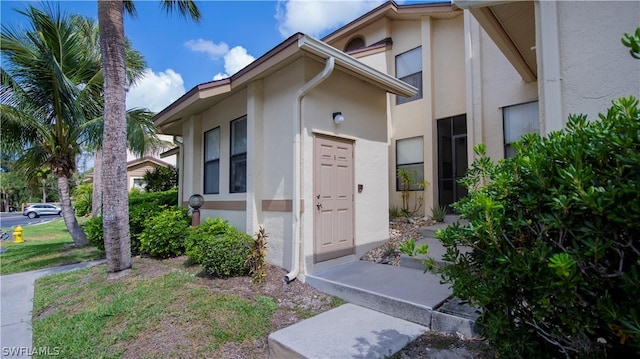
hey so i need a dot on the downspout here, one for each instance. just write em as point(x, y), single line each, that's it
point(177, 140)
point(296, 250)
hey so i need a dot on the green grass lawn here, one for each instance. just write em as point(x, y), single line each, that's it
point(163, 309)
point(45, 245)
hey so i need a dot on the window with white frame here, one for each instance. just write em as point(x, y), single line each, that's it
point(410, 157)
point(238, 160)
point(212, 161)
point(519, 120)
point(409, 70)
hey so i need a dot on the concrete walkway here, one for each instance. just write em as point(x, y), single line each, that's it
point(16, 295)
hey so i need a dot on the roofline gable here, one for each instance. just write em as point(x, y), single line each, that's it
point(297, 44)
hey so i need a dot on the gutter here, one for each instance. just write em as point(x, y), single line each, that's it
point(296, 250)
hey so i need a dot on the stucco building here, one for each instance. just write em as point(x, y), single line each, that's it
point(295, 142)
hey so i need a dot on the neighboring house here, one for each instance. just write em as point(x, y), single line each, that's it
point(423, 45)
point(136, 169)
point(166, 152)
point(568, 55)
point(296, 142)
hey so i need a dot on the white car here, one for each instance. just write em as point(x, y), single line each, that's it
point(41, 209)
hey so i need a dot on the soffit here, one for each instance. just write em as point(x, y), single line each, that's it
point(518, 21)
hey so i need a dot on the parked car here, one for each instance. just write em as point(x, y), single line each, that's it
point(41, 209)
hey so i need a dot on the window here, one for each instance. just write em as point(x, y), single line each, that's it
point(519, 120)
point(238, 170)
point(409, 156)
point(355, 44)
point(409, 70)
point(139, 183)
point(212, 161)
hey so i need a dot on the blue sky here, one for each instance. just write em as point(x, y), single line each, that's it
point(181, 54)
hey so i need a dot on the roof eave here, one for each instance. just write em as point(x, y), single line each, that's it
point(388, 83)
point(481, 11)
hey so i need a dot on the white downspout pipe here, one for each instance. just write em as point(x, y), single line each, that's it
point(296, 250)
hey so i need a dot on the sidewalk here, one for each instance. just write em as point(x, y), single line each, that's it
point(16, 294)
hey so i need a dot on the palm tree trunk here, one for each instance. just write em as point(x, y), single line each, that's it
point(115, 206)
point(69, 215)
point(96, 194)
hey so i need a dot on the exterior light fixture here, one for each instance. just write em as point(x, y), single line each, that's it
point(338, 118)
point(195, 201)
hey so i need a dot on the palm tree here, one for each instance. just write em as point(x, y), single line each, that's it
point(115, 205)
point(50, 86)
point(51, 98)
point(141, 132)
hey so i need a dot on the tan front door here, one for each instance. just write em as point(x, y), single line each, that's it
point(333, 191)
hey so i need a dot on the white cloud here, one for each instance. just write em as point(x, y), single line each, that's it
point(315, 17)
point(155, 91)
point(215, 51)
point(235, 60)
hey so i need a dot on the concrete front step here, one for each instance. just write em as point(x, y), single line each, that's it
point(349, 331)
point(404, 293)
point(401, 292)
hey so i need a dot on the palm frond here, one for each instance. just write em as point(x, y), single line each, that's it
point(186, 8)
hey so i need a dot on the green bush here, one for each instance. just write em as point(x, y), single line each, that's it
point(82, 195)
point(220, 248)
point(555, 233)
point(139, 214)
point(166, 198)
point(209, 230)
point(164, 234)
point(93, 228)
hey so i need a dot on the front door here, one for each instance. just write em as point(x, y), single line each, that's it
point(452, 159)
point(333, 198)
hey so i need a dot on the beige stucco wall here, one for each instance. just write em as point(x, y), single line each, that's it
point(444, 94)
point(493, 84)
point(372, 33)
point(269, 104)
point(221, 116)
point(595, 67)
point(364, 109)
point(277, 152)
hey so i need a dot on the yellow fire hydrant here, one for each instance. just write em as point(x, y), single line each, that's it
point(17, 235)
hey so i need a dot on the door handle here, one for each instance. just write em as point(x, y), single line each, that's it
point(319, 205)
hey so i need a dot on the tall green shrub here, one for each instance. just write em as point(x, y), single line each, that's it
point(555, 233)
point(210, 230)
point(164, 234)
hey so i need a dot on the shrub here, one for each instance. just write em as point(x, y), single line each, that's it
point(256, 260)
point(82, 195)
point(93, 228)
point(556, 241)
point(220, 248)
point(439, 213)
point(139, 214)
point(408, 185)
point(209, 230)
point(166, 198)
point(164, 234)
